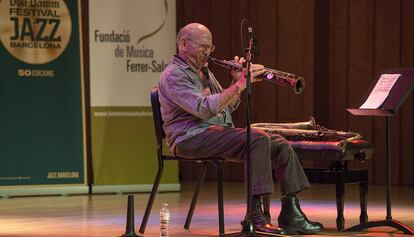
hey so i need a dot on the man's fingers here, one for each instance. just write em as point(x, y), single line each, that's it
point(257, 69)
point(238, 59)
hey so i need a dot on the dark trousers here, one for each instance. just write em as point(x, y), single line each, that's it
point(268, 153)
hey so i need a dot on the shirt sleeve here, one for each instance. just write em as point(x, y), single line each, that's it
point(219, 89)
point(187, 94)
point(234, 106)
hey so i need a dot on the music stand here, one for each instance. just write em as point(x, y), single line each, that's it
point(398, 94)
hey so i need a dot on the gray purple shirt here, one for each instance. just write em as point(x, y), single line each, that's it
point(189, 104)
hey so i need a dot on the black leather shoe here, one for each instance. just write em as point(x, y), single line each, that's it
point(260, 222)
point(294, 221)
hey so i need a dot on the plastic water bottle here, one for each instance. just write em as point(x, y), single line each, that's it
point(164, 220)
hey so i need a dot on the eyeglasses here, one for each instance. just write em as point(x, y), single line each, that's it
point(204, 46)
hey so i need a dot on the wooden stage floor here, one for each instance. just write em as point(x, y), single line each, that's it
point(105, 214)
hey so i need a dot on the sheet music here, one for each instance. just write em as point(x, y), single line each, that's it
point(381, 91)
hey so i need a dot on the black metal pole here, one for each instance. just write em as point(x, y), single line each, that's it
point(248, 134)
point(130, 223)
point(388, 164)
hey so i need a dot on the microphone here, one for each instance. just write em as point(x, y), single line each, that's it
point(255, 51)
point(255, 48)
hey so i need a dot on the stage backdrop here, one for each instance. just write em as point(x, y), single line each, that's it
point(131, 42)
point(41, 122)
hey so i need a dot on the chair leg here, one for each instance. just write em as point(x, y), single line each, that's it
point(220, 196)
point(152, 197)
point(340, 190)
point(195, 195)
point(363, 190)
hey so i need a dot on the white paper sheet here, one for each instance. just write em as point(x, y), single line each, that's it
point(381, 91)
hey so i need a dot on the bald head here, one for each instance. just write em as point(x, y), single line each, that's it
point(191, 31)
point(194, 43)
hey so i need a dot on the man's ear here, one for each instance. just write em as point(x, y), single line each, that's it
point(182, 44)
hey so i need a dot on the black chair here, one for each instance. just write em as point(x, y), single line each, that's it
point(160, 135)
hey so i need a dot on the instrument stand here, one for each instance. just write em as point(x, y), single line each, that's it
point(248, 228)
point(395, 99)
point(130, 223)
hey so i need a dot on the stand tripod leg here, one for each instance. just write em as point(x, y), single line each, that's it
point(391, 223)
point(388, 219)
point(245, 233)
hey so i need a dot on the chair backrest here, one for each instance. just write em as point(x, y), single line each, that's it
point(156, 114)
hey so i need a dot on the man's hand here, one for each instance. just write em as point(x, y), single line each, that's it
point(256, 70)
point(232, 93)
point(239, 75)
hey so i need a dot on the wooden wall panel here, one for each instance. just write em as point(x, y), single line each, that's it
point(295, 54)
point(360, 65)
point(321, 62)
point(387, 49)
point(340, 47)
point(407, 110)
point(264, 94)
point(338, 64)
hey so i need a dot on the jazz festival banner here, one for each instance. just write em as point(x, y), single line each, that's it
point(41, 98)
point(131, 42)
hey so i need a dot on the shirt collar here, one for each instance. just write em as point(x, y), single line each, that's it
point(180, 61)
point(177, 59)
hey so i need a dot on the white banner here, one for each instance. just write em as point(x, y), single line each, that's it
point(131, 42)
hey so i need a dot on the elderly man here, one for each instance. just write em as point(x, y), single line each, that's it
point(197, 121)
